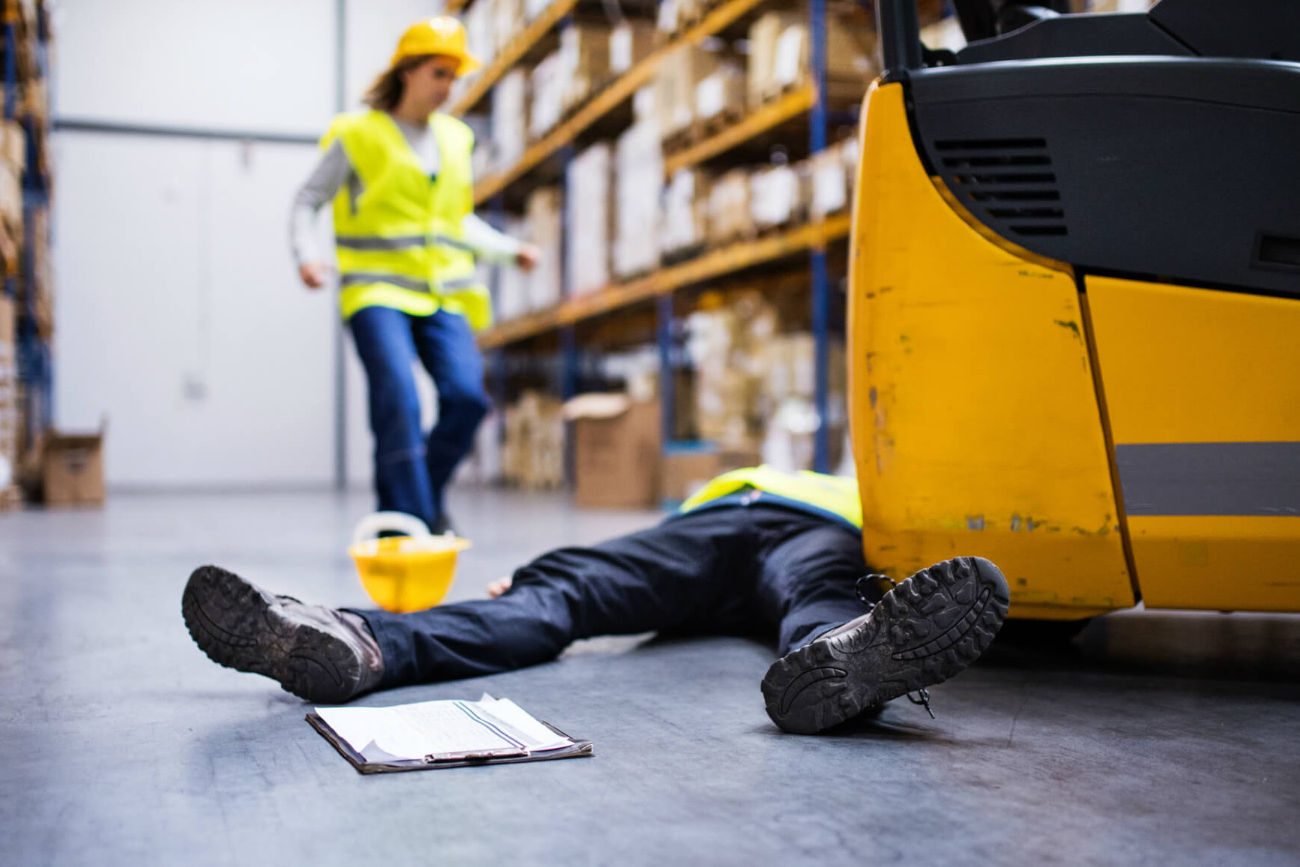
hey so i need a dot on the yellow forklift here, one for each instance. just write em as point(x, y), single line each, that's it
point(1074, 315)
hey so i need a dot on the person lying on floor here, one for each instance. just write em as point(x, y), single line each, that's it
point(755, 550)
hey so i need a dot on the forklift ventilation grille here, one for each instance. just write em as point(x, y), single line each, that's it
point(1010, 180)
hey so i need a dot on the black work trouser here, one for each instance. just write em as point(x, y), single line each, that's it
point(759, 569)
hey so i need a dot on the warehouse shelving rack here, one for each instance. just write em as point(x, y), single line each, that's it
point(805, 103)
point(34, 357)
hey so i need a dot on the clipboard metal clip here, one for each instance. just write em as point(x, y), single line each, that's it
point(475, 756)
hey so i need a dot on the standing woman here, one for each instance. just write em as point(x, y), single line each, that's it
point(406, 240)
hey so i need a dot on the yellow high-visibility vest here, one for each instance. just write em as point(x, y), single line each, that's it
point(400, 242)
point(834, 495)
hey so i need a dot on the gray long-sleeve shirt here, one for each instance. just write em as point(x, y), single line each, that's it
point(334, 170)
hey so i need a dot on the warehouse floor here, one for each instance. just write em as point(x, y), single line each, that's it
point(1165, 738)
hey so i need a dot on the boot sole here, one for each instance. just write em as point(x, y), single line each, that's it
point(233, 623)
point(927, 629)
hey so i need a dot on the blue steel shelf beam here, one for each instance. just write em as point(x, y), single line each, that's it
point(819, 277)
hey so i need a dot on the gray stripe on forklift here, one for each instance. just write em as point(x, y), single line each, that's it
point(1210, 478)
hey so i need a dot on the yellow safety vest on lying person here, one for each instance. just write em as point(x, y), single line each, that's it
point(399, 242)
point(833, 496)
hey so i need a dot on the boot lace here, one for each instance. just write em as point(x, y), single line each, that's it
point(864, 587)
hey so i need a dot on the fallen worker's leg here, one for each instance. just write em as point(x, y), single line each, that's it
point(924, 631)
point(317, 653)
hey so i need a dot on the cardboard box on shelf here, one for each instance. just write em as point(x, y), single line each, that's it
point(545, 218)
point(9, 417)
point(687, 467)
point(638, 178)
point(617, 451)
point(480, 32)
point(73, 469)
point(588, 241)
point(629, 43)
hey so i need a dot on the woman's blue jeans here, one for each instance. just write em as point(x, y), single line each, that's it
point(411, 470)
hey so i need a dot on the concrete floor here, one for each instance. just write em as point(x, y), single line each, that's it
point(1151, 739)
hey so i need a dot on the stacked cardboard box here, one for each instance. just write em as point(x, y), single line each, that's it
point(776, 196)
point(720, 96)
point(588, 239)
point(779, 56)
point(638, 173)
point(512, 283)
point(788, 402)
point(545, 221)
point(618, 445)
point(532, 455)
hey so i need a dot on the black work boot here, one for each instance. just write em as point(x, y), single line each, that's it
point(925, 630)
point(317, 653)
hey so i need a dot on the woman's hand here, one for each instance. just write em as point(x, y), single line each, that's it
point(313, 274)
point(497, 587)
point(527, 257)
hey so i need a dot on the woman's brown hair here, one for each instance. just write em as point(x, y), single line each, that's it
point(386, 91)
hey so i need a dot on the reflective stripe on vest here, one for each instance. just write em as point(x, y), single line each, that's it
point(836, 495)
point(399, 243)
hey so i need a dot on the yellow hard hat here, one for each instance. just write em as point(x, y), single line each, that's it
point(442, 35)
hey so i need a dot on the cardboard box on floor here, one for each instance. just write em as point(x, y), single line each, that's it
point(617, 451)
point(73, 469)
point(689, 466)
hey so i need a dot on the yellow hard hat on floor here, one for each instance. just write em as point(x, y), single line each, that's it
point(443, 35)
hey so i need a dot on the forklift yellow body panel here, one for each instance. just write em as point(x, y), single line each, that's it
point(976, 425)
point(1104, 440)
point(1203, 394)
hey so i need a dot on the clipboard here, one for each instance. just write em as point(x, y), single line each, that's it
point(579, 749)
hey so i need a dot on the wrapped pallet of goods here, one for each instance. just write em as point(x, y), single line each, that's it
point(780, 57)
point(720, 97)
point(39, 291)
point(508, 20)
point(728, 212)
point(547, 86)
point(534, 8)
point(788, 401)
point(629, 43)
point(13, 161)
point(831, 176)
point(584, 61)
point(480, 33)
point(588, 239)
point(509, 119)
point(638, 174)
point(776, 197)
point(544, 215)
point(532, 455)
point(725, 341)
point(684, 225)
point(10, 424)
point(675, 83)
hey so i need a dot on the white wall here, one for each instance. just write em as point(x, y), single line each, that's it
point(178, 314)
